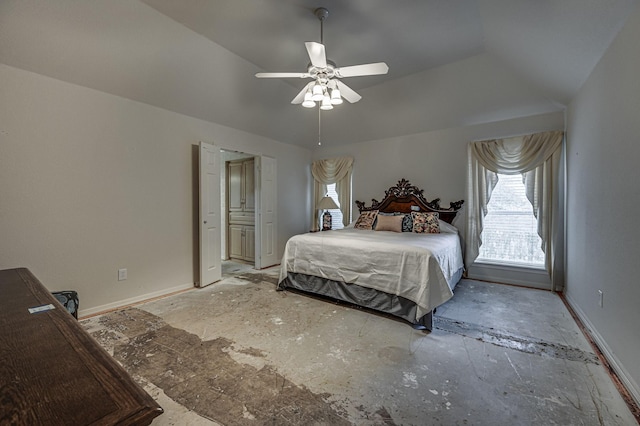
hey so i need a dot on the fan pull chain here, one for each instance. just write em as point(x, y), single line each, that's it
point(319, 141)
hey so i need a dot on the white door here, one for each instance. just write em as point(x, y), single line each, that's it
point(210, 259)
point(267, 239)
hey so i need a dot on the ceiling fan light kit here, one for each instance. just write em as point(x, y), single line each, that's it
point(336, 98)
point(308, 100)
point(326, 103)
point(317, 94)
point(326, 89)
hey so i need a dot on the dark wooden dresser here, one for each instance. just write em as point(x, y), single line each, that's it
point(52, 372)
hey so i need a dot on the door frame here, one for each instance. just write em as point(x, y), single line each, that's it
point(261, 205)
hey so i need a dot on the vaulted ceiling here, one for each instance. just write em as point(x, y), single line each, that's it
point(451, 63)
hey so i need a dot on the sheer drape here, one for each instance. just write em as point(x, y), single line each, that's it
point(333, 170)
point(537, 158)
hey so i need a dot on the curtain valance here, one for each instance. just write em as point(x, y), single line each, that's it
point(331, 170)
point(516, 155)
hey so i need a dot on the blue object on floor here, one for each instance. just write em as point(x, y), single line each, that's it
point(68, 299)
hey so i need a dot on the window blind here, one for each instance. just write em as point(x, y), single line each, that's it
point(510, 232)
point(336, 214)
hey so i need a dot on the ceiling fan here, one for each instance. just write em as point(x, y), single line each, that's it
point(326, 88)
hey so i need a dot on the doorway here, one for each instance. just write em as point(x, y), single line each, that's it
point(262, 238)
point(250, 208)
point(238, 207)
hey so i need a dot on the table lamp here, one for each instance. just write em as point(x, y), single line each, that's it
point(326, 204)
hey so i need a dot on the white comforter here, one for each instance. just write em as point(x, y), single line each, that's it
point(418, 267)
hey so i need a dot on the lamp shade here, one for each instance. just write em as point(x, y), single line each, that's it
point(317, 93)
point(336, 97)
point(308, 101)
point(326, 103)
point(327, 203)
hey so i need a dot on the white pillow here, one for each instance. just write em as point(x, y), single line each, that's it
point(447, 227)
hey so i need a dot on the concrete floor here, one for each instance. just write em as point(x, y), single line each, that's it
point(498, 355)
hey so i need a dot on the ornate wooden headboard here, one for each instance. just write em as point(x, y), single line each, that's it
point(406, 198)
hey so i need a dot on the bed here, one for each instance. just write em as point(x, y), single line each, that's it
point(401, 257)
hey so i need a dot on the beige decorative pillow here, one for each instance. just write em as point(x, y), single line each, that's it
point(366, 219)
point(425, 223)
point(389, 223)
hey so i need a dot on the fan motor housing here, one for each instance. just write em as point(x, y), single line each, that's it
point(328, 72)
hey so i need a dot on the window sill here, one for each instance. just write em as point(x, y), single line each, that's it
point(523, 275)
point(488, 263)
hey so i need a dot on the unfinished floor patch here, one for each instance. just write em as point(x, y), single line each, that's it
point(258, 277)
point(204, 378)
point(269, 357)
point(509, 340)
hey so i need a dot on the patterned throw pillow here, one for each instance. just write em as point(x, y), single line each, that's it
point(425, 223)
point(407, 223)
point(366, 219)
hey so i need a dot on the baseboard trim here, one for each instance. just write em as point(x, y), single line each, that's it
point(628, 388)
point(85, 313)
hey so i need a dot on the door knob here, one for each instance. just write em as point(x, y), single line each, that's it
point(205, 221)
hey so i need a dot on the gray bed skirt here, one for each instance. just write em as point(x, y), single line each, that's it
point(366, 297)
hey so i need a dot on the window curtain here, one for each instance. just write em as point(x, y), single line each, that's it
point(537, 158)
point(333, 170)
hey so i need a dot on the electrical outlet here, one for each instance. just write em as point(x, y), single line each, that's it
point(122, 274)
point(600, 297)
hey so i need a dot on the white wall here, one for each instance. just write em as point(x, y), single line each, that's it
point(603, 200)
point(433, 161)
point(91, 182)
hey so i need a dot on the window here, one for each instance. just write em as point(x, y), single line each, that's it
point(509, 235)
point(336, 214)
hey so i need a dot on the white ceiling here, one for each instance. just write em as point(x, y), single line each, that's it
point(452, 63)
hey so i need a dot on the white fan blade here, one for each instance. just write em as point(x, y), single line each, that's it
point(365, 69)
point(347, 92)
point(282, 74)
point(316, 54)
point(300, 96)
